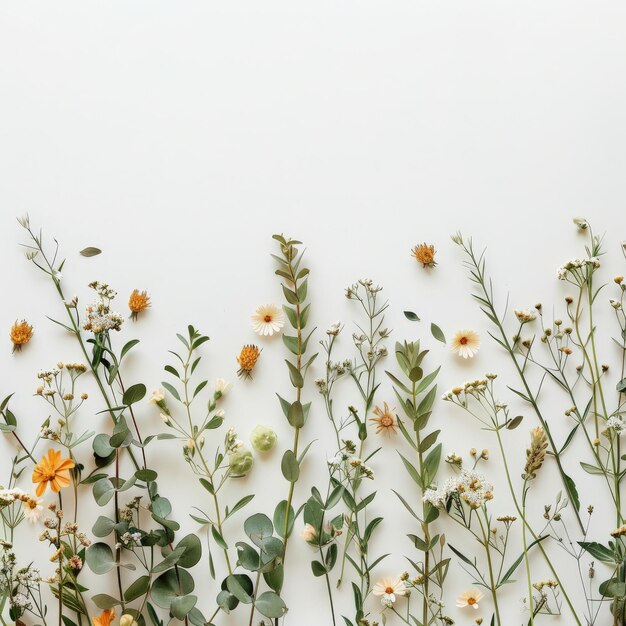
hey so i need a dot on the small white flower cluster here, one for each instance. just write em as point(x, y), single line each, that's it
point(576, 264)
point(100, 318)
point(616, 423)
point(525, 315)
point(9, 496)
point(231, 442)
point(469, 486)
point(368, 283)
point(366, 471)
point(334, 329)
point(470, 387)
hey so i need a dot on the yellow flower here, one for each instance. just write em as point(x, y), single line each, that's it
point(54, 470)
point(138, 302)
point(21, 334)
point(471, 597)
point(384, 419)
point(424, 254)
point(104, 619)
point(465, 343)
point(247, 359)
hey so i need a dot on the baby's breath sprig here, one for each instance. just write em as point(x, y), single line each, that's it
point(476, 265)
point(478, 398)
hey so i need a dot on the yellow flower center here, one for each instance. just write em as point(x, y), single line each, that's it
point(471, 601)
point(386, 420)
point(267, 318)
point(388, 589)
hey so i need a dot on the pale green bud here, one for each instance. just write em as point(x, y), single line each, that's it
point(241, 462)
point(263, 438)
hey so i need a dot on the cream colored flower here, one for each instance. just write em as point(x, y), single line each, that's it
point(267, 320)
point(465, 343)
point(158, 395)
point(33, 509)
point(222, 387)
point(387, 589)
point(471, 597)
point(308, 533)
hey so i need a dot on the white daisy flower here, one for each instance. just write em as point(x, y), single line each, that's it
point(471, 597)
point(267, 320)
point(387, 589)
point(465, 343)
point(33, 509)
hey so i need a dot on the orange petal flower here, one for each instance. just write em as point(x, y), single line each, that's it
point(247, 359)
point(21, 333)
point(138, 301)
point(54, 470)
point(104, 619)
point(425, 254)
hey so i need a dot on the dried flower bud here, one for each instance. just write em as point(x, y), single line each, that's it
point(536, 453)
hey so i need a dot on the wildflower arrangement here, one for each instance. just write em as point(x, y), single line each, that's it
point(86, 486)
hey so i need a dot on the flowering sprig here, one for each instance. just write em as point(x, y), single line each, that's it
point(416, 393)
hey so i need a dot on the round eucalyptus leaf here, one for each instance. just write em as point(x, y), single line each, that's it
point(193, 550)
point(270, 604)
point(167, 587)
point(99, 557)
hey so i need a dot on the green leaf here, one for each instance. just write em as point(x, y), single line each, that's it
point(591, 469)
point(295, 375)
point(437, 333)
point(429, 440)
point(270, 604)
point(241, 587)
point(257, 527)
point(104, 601)
point(146, 475)
point(280, 515)
point(295, 414)
point(247, 556)
point(137, 589)
point(292, 344)
point(597, 550)
point(170, 585)
point(181, 606)
point(289, 466)
point(238, 506)
point(134, 394)
point(169, 561)
point(103, 491)
point(318, 568)
point(99, 557)
point(431, 465)
point(90, 251)
point(411, 316)
point(515, 422)
point(103, 526)
point(193, 551)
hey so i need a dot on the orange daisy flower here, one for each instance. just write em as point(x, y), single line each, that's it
point(138, 302)
point(54, 470)
point(104, 619)
point(247, 359)
point(425, 255)
point(386, 422)
point(21, 333)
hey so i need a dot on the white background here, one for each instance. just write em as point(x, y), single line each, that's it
point(179, 137)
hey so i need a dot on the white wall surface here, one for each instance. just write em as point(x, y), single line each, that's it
point(179, 136)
